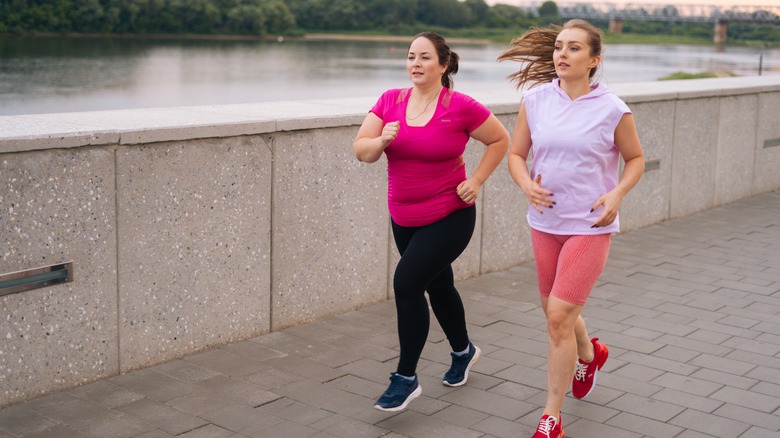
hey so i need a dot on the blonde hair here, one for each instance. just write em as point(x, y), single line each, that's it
point(535, 48)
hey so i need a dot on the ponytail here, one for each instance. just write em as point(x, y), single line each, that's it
point(452, 68)
point(536, 48)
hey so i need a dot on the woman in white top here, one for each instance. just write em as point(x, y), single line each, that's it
point(577, 132)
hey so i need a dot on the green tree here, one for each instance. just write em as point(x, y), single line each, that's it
point(307, 12)
point(505, 16)
point(87, 16)
point(168, 16)
point(446, 13)
point(344, 15)
point(133, 16)
point(669, 11)
point(330, 14)
point(479, 11)
point(246, 20)
point(390, 13)
point(279, 19)
point(42, 16)
point(753, 32)
point(200, 16)
point(549, 10)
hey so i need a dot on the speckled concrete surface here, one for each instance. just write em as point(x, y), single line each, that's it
point(58, 206)
point(648, 202)
point(330, 227)
point(766, 175)
point(694, 156)
point(194, 246)
point(734, 168)
point(505, 238)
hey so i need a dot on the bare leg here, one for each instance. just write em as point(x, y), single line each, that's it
point(562, 318)
point(584, 346)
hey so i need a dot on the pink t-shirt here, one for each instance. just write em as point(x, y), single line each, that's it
point(573, 148)
point(425, 163)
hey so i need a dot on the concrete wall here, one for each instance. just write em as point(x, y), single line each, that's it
point(194, 227)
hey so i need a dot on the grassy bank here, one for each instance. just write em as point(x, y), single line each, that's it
point(705, 75)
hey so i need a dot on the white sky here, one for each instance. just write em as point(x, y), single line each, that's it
point(663, 2)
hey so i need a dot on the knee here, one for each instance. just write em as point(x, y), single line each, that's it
point(404, 288)
point(559, 326)
point(400, 280)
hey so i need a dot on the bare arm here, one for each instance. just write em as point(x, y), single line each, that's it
point(373, 137)
point(518, 165)
point(627, 141)
point(496, 139)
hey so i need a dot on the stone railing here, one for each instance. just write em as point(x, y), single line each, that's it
point(193, 227)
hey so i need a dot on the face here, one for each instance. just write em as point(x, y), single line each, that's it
point(572, 56)
point(422, 62)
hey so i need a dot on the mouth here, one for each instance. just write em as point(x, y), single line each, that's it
point(563, 65)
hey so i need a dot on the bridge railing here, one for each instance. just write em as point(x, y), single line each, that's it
point(661, 12)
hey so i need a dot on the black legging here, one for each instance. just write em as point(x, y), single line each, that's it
point(427, 254)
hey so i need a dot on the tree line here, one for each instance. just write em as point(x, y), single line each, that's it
point(207, 17)
point(260, 18)
point(245, 17)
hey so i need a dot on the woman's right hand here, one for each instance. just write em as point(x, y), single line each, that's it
point(389, 133)
point(537, 195)
point(373, 137)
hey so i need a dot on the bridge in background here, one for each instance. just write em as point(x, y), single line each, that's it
point(617, 13)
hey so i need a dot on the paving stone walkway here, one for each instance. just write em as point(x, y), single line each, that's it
point(690, 309)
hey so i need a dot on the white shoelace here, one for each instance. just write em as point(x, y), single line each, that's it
point(581, 371)
point(546, 425)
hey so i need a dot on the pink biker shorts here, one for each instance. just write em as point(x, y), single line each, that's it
point(567, 267)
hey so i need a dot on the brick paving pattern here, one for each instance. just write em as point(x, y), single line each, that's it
point(690, 309)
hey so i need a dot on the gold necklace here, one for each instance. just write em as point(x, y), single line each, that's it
point(424, 109)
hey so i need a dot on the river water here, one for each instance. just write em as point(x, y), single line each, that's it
point(49, 75)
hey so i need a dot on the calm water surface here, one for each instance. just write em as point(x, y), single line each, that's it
point(48, 75)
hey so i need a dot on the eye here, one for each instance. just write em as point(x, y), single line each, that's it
point(557, 48)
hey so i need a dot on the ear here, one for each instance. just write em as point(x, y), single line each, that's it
point(595, 61)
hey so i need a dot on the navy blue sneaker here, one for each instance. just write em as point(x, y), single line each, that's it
point(398, 395)
point(458, 373)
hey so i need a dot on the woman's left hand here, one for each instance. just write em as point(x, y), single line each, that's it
point(610, 203)
point(469, 190)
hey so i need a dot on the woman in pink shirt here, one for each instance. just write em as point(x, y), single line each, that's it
point(423, 131)
point(576, 131)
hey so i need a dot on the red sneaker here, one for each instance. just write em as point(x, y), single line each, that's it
point(549, 427)
point(585, 374)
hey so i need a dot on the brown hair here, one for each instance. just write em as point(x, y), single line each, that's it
point(536, 47)
point(445, 54)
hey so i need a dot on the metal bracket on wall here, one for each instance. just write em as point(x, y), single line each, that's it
point(771, 143)
point(20, 281)
point(652, 164)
